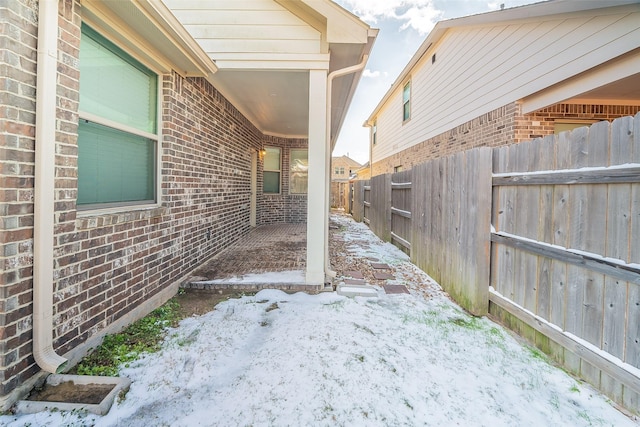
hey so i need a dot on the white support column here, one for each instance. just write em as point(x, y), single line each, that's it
point(317, 208)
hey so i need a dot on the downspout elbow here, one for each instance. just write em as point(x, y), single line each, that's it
point(43, 227)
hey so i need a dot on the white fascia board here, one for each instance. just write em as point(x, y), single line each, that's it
point(600, 76)
point(104, 17)
point(342, 26)
point(176, 32)
point(273, 61)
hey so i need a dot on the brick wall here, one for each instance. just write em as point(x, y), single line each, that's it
point(541, 123)
point(491, 129)
point(18, 20)
point(112, 268)
point(503, 126)
point(283, 207)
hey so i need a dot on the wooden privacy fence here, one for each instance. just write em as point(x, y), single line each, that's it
point(544, 234)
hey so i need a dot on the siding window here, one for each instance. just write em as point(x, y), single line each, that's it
point(374, 132)
point(117, 130)
point(406, 101)
point(299, 171)
point(271, 177)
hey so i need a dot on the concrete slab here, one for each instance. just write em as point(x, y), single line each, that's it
point(54, 380)
point(381, 275)
point(380, 266)
point(357, 291)
point(395, 289)
point(353, 274)
point(355, 282)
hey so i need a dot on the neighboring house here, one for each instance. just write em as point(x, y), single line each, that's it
point(140, 138)
point(342, 169)
point(363, 172)
point(508, 76)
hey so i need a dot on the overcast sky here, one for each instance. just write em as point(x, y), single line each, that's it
point(403, 24)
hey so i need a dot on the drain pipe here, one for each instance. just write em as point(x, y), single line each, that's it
point(336, 73)
point(44, 187)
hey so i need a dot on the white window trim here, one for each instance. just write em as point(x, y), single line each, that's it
point(408, 82)
point(157, 137)
point(273, 170)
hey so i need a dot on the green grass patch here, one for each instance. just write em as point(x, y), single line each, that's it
point(537, 354)
point(142, 336)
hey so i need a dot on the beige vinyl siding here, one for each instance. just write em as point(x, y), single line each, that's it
point(479, 69)
point(226, 29)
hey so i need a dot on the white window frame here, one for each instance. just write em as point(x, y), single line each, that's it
point(406, 102)
point(279, 170)
point(92, 210)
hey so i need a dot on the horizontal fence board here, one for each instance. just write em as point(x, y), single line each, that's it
point(627, 272)
point(627, 376)
point(400, 240)
point(400, 212)
point(401, 185)
point(604, 175)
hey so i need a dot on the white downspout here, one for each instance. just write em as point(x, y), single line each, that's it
point(337, 73)
point(43, 226)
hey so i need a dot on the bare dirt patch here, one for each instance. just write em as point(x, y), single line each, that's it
point(69, 392)
point(196, 302)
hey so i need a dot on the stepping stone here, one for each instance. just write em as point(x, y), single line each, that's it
point(354, 282)
point(370, 258)
point(357, 291)
point(381, 275)
point(380, 266)
point(354, 274)
point(395, 289)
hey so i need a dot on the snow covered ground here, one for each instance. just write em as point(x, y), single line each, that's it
point(299, 360)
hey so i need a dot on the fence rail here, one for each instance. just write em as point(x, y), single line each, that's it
point(545, 233)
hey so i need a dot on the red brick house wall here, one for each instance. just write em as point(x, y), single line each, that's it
point(503, 126)
point(283, 207)
point(113, 268)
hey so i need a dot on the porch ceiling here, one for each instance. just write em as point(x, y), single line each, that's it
point(276, 101)
point(626, 90)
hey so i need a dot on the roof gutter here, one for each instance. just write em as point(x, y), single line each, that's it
point(332, 75)
point(43, 227)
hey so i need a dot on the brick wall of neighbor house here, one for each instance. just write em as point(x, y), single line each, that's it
point(490, 129)
point(541, 123)
point(110, 264)
point(503, 126)
point(283, 207)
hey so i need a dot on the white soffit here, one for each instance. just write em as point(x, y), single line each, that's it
point(149, 31)
point(616, 83)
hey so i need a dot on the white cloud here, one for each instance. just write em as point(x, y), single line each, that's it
point(421, 19)
point(368, 73)
point(420, 15)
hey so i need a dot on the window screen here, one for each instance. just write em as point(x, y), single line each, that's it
point(271, 174)
point(116, 161)
point(299, 171)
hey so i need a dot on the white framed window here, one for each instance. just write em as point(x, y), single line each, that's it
point(299, 171)
point(272, 171)
point(567, 125)
point(374, 132)
point(406, 101)
point(118, 126)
